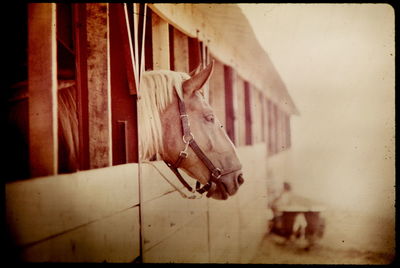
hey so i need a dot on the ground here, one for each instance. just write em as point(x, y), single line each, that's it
point(350, 238)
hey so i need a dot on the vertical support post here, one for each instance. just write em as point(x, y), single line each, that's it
point(98, 85)
point(160, 43)
point(42, 87)
point(230, 104)
point(217, 92)
point(181, 51)
point(81, 82)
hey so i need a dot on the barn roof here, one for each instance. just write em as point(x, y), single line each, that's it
point(230, 38)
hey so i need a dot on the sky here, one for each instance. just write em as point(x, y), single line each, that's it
point(337, 61)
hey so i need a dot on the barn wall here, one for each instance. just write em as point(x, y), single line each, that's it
point(73, 217)
point(204, 230)
point(174, 229)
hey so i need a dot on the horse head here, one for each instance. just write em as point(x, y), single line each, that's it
point(217, 161)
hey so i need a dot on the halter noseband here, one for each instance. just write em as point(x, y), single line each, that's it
point(188, 140)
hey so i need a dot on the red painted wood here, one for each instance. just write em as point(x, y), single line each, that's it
point(194, 53)
point(81, 84)
point(171, 48)
point(229, 108)
point(248, 115)
point(148, 43)
point(123, 104)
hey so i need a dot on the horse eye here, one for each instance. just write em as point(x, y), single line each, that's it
point(210, 118)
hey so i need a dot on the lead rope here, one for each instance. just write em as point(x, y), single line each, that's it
point(193, 196)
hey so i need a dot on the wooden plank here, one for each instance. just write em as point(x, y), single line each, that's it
point(154, 184)
point(217, 92)
point(163, 216)
point(148, 40)
point(248, 113)
point(256, 114)
point(160, 35)
point(264, 118)
point(194, 53)
point(112, 239)
point(181, 53)
point(119, 13)
point(288, 132)
point(188, 244)
point(81, 84)
point(250, 157)
point(229, 76)
point(252, 231)
point(46, 206)
point(224, 230)
point(98, 85)
point(241, 113)
point(42, 88)
point(123, 103)
point(171, 47)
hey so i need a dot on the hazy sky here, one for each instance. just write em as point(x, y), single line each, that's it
point(337, 61)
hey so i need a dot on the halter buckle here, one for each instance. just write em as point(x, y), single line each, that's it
point(216, 173)
point(183, 154)
point(190, 138)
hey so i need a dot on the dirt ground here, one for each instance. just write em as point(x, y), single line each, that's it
point(349, 238)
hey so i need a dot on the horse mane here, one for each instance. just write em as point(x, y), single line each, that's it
point(156, 92)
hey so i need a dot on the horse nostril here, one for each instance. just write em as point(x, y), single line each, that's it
point(240, 179)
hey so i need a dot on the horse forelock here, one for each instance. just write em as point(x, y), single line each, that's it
point(156, 92)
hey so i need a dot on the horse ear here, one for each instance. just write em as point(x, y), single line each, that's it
point(195, 70)
point(198, 80)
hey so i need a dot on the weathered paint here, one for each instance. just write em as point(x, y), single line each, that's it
point(42, 89)
point(98, 85)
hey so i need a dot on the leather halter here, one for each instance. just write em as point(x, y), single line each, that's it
point(188, 140)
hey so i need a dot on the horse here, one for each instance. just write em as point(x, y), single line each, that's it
point(202, 148)
point(178, 126)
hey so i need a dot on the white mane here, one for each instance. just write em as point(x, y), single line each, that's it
point(156, 92)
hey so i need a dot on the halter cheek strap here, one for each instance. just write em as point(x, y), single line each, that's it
point(188, 140)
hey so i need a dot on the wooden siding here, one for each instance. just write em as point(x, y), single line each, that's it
point(204, 230)
point(42, 88)
point(98, 85)
point(181, 51)
point(217, 92)
point(124, 119)
point(51, 209)
point(160, 37)
point(241, 117)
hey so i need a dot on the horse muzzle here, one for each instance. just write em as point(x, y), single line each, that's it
point(226, 186)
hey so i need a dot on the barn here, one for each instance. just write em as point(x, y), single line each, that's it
point(75, 187)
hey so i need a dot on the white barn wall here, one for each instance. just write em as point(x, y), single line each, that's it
point(58, 217)
point(204, 230)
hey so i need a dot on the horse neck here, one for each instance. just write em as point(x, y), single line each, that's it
point(157, 92)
